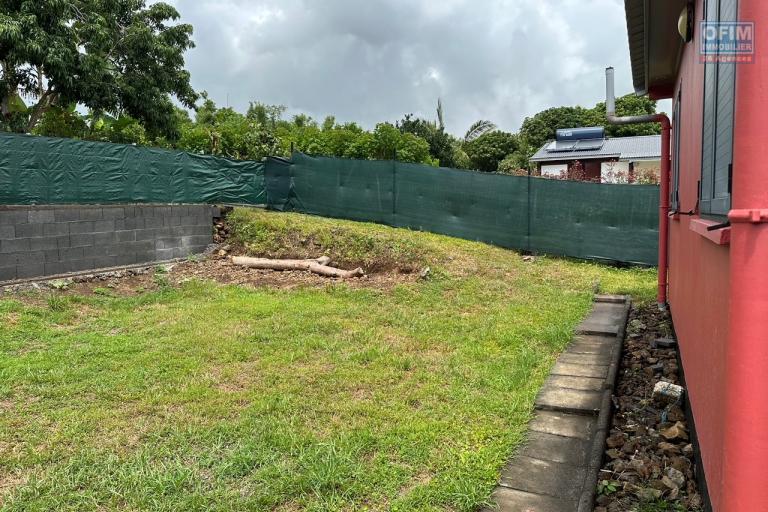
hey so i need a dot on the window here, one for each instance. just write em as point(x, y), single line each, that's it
point(674, 199)
point(717, 137)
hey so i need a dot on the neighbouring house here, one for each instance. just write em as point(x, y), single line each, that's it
point(711, 58)
point(599, 159)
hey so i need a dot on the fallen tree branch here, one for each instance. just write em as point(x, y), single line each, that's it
point(318, 266)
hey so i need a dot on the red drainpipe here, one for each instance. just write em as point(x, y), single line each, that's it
point(666, 129)
point(745, 443)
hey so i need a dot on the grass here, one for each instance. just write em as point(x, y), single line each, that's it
point(210, 397)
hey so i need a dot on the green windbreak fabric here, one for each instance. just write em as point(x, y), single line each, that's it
point(42, 170)
point(583, 220)
point(466, 204)
point(593, 221)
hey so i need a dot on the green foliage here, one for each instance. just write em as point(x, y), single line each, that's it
point(225, 132)
point(477, 129)
point(442, 145)
point(540, 128)
point(515, 163)
point(629, 105)
point(488, 150)
point(607, 487)
point(120, 57)
point(351, 141)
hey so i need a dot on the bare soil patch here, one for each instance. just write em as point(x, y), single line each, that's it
point(214, 267)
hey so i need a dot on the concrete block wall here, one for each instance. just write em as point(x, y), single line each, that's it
point(37, 241)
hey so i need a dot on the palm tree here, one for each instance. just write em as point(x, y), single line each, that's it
point(477, 129)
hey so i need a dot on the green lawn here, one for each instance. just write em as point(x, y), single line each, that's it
point(336, 397)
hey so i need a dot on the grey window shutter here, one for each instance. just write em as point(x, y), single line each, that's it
point(717, 136)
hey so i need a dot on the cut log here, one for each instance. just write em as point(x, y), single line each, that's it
point(327, 271)
point(270, 264)
point(318, 266)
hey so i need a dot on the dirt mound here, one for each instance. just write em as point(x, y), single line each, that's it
point(373, 247)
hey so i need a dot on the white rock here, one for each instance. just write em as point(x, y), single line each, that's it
point(668, 391)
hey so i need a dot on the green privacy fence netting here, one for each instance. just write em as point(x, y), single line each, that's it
point(582, 220)
point(42, 170)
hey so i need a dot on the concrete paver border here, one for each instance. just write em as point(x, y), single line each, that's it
point(571, 422)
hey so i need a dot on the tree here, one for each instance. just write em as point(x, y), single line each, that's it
point(120, 57)
point(488, 150)
point(225, 132)
point(540, 128)
point(477, 129)
point(266, 115)
point(629, 105)
point(441, 144)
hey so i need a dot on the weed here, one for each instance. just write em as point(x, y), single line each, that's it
point(57, 303)
point(607, 487)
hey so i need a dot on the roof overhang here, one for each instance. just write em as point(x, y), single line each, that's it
point(569, 157)
point(655, 45)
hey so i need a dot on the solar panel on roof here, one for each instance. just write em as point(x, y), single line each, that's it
point(589, 145)
point(559, 146)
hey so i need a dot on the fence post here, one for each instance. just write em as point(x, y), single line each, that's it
point(394, 187)
point(528, 231)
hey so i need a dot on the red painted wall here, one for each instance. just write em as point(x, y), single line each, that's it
point(699, 282)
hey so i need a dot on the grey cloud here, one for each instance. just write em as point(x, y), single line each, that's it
point(375, 60)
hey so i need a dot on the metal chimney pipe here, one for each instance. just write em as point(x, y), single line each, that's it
point(666, 128)
point(610, 96)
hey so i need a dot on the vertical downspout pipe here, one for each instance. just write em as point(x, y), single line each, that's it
point(666, 129)
point(745, 443)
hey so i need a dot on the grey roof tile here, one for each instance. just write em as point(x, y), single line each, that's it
point(643, 147)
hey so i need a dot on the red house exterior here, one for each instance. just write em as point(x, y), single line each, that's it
point(718, 238)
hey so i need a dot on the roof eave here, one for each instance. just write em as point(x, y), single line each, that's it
point(655, 46)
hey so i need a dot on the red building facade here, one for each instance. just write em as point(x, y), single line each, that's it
point(718, 238)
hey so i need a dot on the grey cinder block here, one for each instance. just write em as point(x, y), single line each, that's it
point(125, 258)
point(57, 267)
point(56, 229)
point(145, 234)
point(8, 259)
point(66, 214)
point(105, 262)
point(29, 230)
point(83, 240)
point(14, 217)
point(172, 220)
point(62, 242)
point(133, 223)
point(71, 253)
point(31, 257)
point(103, 226)
point(41, 216)
point(43, 244)
point(52, 255)
point(30, 270)
point(81, 264)
point(7, 231)
point(8, 273)
point(164, 254)
point(76, 228)
point(91, 213)
point(104, 238)
point(113, 212)
point(14, 245)
point(125, 236)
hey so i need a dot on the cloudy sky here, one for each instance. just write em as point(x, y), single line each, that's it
point(375, 60)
